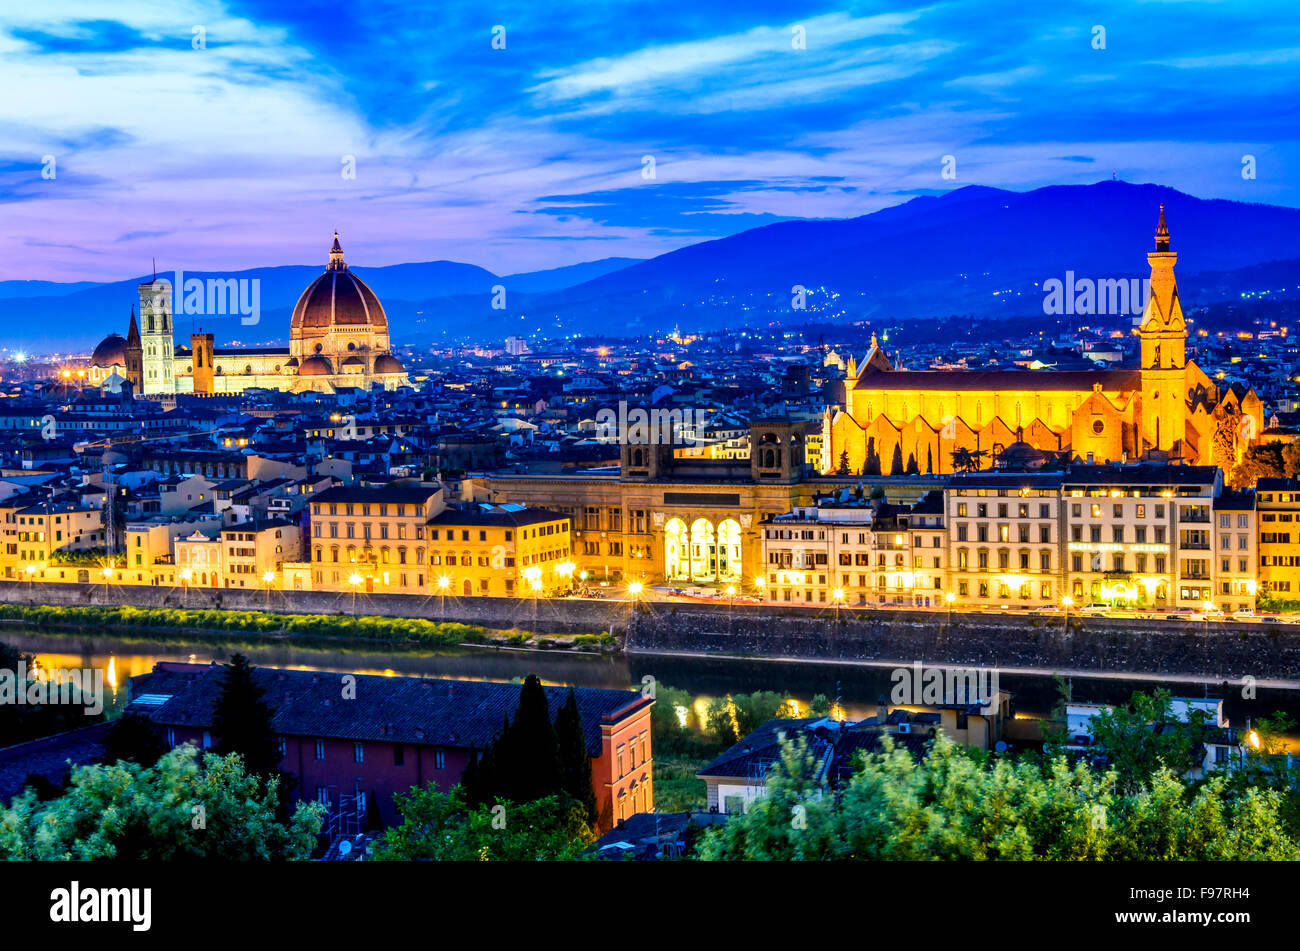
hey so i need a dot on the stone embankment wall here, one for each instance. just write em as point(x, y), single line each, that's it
point(1225, 651)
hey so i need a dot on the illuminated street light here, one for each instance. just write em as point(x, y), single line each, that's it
point(634, 588)
point(268, 577)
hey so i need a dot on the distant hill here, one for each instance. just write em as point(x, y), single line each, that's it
point(975, 250)
point(50, 315)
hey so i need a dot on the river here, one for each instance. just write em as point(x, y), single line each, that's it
point(858, 687)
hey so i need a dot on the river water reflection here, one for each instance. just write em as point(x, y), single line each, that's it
point(858, 687)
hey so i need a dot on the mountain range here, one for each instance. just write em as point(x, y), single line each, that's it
point(974, 250)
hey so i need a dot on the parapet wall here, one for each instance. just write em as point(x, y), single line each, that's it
point(1225, 651)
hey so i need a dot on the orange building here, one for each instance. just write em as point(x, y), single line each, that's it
point(1164, 409)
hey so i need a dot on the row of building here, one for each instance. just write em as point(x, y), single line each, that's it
point(1139, 536)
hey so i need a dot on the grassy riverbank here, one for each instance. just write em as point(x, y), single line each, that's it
point(272, 625)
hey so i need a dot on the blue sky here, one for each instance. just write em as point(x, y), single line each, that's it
point(532, 156)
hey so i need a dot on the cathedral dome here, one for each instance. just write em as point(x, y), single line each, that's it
point(111, 352)
point(338, 298)
point(315, 366)
point(387, 363)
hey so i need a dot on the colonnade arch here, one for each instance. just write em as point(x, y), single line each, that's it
point(702, 552)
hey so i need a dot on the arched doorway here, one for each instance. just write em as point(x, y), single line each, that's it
point(704, 554)
point(728, 552)
point(677, 559)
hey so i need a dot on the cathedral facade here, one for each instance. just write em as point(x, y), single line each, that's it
point(338, 337)
point(1164, 409)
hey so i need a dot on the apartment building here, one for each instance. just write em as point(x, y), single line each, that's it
point(255, 551)
point(1236, 550)
point(1277, 510)
point(372, 539)
point(36, 532)
point(500, 551)
point(847, 549)
point(1004, 539)
point(1139, 536)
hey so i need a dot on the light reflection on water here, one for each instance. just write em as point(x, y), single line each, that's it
point(858, 687)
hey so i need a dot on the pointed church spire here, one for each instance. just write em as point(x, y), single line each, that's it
point(133, 332)
point(336, 256)
point(1162, 232)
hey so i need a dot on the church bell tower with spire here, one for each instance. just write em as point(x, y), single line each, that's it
point(159, 356)
point(1162, 417)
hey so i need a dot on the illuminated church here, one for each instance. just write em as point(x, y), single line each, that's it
point(338, 337)
point(1164, 409)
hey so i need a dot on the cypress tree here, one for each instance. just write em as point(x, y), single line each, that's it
point(533, 761)
point(896, 461)
point(242, 720)
point(575, 762)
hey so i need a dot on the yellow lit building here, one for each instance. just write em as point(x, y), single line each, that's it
point(501, 551)
point(1278, 514)
point(1164, 408)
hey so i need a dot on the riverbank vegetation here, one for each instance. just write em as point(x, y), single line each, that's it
point(273, 624)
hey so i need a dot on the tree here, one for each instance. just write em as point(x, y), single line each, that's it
point(872, 464)
point(1143, 737)
point(445, 827)
point(523, 762)
point(843, 468)
point(133, 737)
point(1258, 462)
point(819, 706)
point(960, 804)
point(176, 809)
point(896, 461)
point(962, 460)
point(912, 467)
point(575, 760)
point(535, 753)
point(241, 722)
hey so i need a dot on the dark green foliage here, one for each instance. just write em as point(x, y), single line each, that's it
point(575, 760)
point(242, 720)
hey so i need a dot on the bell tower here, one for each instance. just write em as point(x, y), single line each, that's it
point(156, 337)
point(1162, 333)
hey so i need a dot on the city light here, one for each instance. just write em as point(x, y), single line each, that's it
point(634, 588)
point(444, 582)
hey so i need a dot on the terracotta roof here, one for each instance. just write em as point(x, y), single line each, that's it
point(413, 710)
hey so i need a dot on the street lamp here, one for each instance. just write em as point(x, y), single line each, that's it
point(760, 583)
point(443, 584)
point(354, 579)
point(268, 579)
